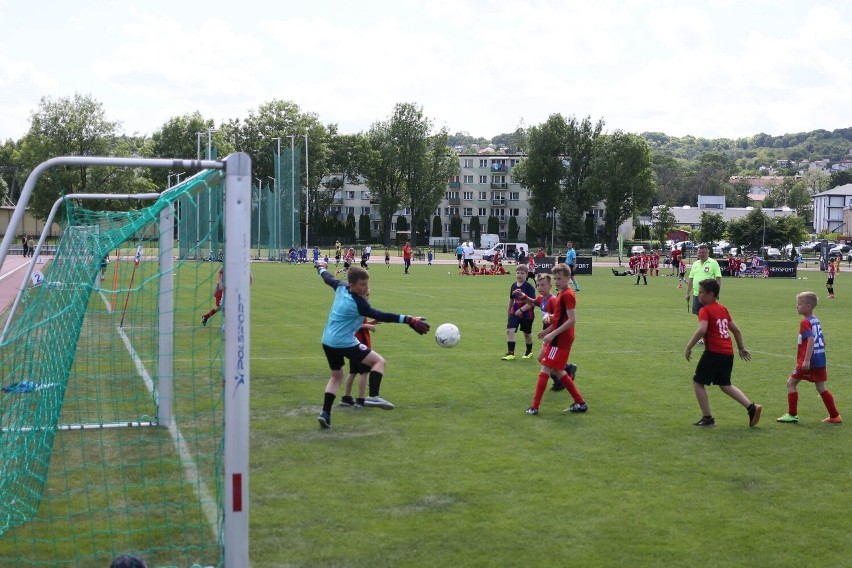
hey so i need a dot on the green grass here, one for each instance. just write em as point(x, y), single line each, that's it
point(458, 475)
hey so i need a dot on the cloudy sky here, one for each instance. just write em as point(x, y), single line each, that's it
point(712, 68)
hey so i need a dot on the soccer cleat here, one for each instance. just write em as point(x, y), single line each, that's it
point(707, 422)
point(324, 419)
point(754, 414)
point(508, 357)
point(532, 411)
point(378, 402)
point(557, 384)
point(571, 369)
point(788, 418)
point(359, 403)
point(527, 356)
point(347, 401)
point(577, 407)
point(204, 320)
point(833, 420)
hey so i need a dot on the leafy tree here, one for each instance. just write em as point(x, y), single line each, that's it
point(840, 178)
point(437, 227)
point(178, 138)
point(77, 126)
point(349, 228)
point(622, 176)
point(712, 227)
point(737, 194)
point(669, 173)
point(402, 223)
point(800, 199)
point(493, 225)
point(456, 227)
point(475, 230)
point(664, 222)
point(514, 229)
point(364, 228)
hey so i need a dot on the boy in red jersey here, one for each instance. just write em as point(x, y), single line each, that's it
point(810, 362)
point(715, 326)
point(519, 314)
point(643, 263)
point(829, 284)
point(363, 336)
point(655, 263)
point(217, 295)
point(558, 338)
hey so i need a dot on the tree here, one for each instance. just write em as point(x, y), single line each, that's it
point(493, 225)
point(475, 230)
point(514, 229)
point(456, 227)
point(664, 222)
point(427, 183)
point(77, 126)
point(437, 227)
point(712, 227)
point(364, 228)
point(402, 223)
point(178, 138)
point(622, 176)
point(736, 194)
point(842, 177)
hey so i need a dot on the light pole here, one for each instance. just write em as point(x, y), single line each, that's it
point(553, 232)
point(276, 213)
point(275, 204)
point(259, 207)
point(292, 138)
point(210, 131)
point(198, 145)
point(307, 190)
point(176, 176)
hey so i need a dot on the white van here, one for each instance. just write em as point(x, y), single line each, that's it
point(507, 250)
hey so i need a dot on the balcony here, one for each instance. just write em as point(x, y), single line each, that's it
point(499, 186)
point(498, 202)
point(454, 201)
point(454, 185)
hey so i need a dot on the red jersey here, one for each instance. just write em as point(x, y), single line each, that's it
point(634, 260)
point(548, 305)
point(643, 262)
point(718, 337)
point(655, 260)
point(676, 255)
point(363, 335)
point(832, 269)
point(566, 300)
point(406, 252)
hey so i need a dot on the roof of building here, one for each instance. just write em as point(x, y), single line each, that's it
point(839, 190)
point(692, 215)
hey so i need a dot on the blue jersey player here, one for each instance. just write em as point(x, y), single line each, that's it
point(347, 313)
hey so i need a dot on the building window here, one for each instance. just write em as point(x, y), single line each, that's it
point(483, 195)
point(514, 195)
point(482, 212)
point(350, 194)
point(451, 211)
point(513, 162)
point(350, 210)
point(514, 212)
point(447, 228)
point(498, 179)
point(393, 226)
point(483, 179)
point(468, 196)
point(468, 179)
point(454, 179)
point(498, 165)
point(468, 163)
point(365, 211)
point(452, 195)
point(483, 162)
point(468, 211)
point(465, 228)
point(365, 195)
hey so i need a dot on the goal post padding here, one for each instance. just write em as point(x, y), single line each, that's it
point(91, 465)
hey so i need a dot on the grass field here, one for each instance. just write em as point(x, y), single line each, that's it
point(458, 475)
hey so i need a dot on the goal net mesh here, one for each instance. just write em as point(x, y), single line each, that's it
point(89, 468)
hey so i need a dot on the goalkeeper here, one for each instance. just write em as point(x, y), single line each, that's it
point(347, 313)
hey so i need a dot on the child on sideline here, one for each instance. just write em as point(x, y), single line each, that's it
point(387, 257)
point(345, 318)
point(558, 338)
point(519, 314)
point(715, 326)
point(363, 336)
point(810, 362)
point(829, 284)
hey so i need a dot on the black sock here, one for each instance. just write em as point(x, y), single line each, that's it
point(511, 345)
point(529, 348)
point(328, 402)
point(375, 382)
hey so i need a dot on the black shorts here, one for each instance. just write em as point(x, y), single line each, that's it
point(714, 369)
point(336, 355)
point(357, 368)
point(829, 282)
point(515, 323)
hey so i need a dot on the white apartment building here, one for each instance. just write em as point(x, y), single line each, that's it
point(484, 188)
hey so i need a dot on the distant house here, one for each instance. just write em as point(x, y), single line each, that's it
point(829, 206)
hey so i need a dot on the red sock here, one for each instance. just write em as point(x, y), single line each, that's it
point(793, 403)
point(828, 400)
point(540, 387)
point(569, 384)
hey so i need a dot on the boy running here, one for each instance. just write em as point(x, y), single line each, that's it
point(558, 338)
point(810, 362)
point(347, 314)
point(363, 336)
point(519, 314)
point(715, 326)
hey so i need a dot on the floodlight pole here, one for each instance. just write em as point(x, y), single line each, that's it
point(198, 145)
point(307, 191)
point(259, 203)
point(292, 138)
point(276, 212)
point(210, 131)
point(553, 232)
point(275, 190)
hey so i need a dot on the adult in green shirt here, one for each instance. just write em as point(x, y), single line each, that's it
point(702, 269)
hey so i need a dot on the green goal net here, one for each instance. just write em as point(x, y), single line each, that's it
point(111, 408)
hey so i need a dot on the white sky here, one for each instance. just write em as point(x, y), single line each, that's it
point(713, 68)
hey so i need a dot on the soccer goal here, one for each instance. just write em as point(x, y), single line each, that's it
point(123, 419)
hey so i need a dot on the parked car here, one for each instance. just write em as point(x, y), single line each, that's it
point(770, 252)
point(840, 249)
point(637, 249)
point(600, 250)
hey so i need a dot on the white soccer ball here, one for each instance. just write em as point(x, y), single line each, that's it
point(447, 335)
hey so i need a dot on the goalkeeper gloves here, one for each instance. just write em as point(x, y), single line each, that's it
point(420, 325)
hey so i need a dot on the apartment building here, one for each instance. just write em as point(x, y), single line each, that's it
point(484, 188)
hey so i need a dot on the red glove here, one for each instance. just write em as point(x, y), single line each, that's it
point(420, 325)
